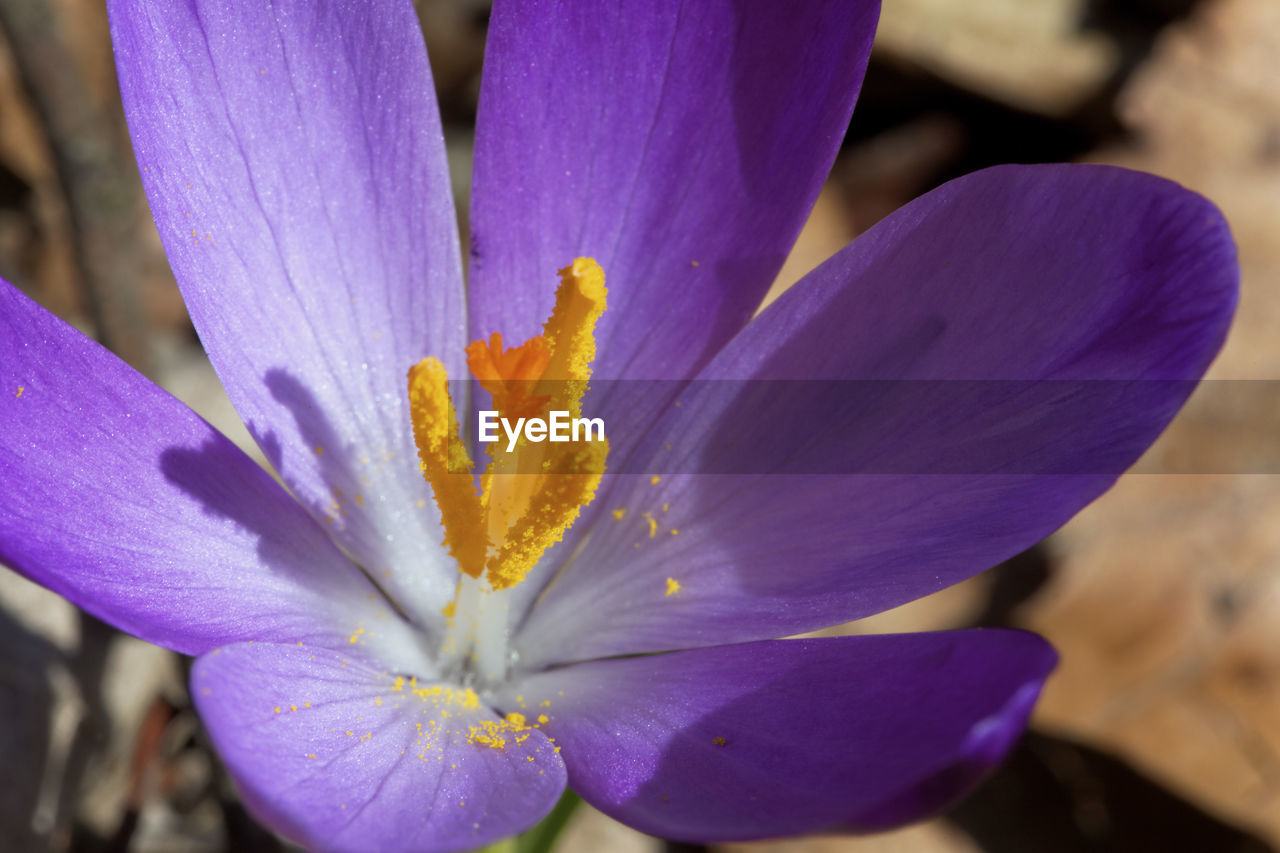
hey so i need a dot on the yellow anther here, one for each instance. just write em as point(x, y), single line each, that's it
point(445, 464)
point(553, 507)
point(570, 334)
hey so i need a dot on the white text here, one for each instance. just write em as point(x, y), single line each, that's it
point(557, 427)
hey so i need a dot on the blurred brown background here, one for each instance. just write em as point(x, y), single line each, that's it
point(1161, 729)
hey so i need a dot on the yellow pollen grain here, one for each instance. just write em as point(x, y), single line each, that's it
point(543, 719)
point(673, 586)
point(440, 696)
point(355, 638)
point(653, 524)
point(655, 480)
point(619, 514)
point(496, 734)
point(21, 388)
point(718, 741)
point(675, 531)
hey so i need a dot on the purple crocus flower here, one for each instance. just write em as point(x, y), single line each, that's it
point(366, 694)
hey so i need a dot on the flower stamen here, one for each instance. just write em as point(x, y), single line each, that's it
point(530, 496)
point(445, 464)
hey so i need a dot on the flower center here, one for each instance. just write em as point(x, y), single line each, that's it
point(530, 492)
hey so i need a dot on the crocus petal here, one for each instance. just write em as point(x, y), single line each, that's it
point(679, 144)
point(1046, 278)
point(122, 499)
point(293, 158)
point(337, 755)
point(791, 736)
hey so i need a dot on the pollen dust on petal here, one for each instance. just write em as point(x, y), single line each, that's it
point(513, 729)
